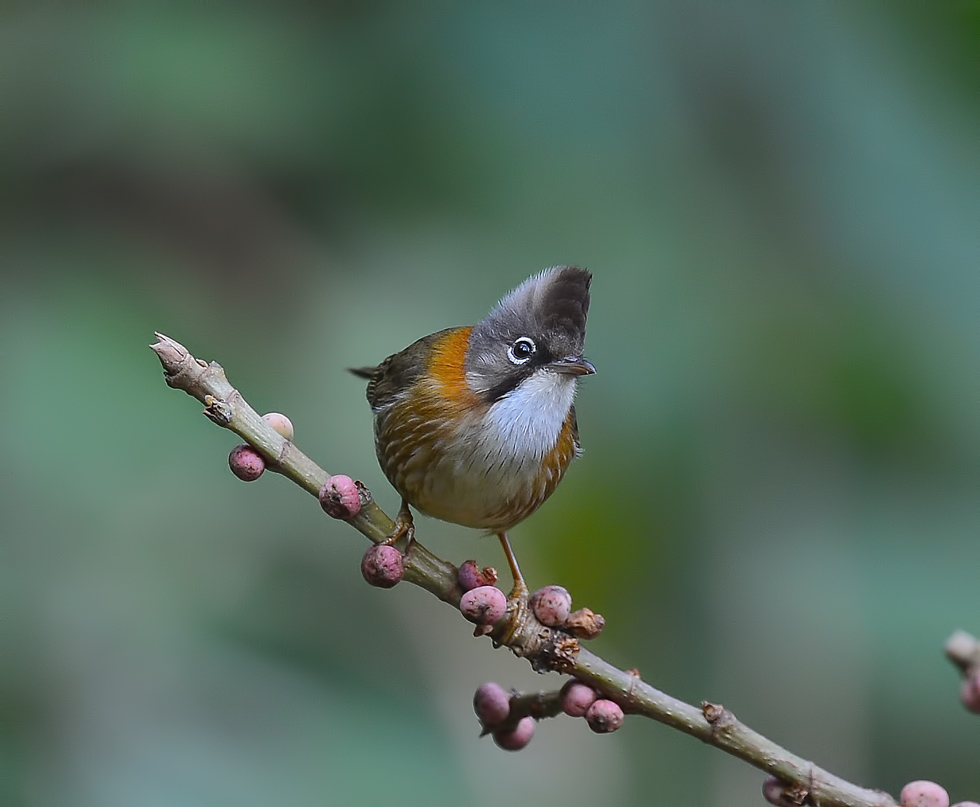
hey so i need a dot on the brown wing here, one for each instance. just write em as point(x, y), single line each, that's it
point(398, 371)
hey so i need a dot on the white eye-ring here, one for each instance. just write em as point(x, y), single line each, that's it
point(521, 350)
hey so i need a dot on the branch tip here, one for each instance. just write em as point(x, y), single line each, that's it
point(170, 352)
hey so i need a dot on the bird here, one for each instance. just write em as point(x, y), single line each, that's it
point(476, 425)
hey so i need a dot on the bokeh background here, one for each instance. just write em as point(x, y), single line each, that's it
point(778, 504)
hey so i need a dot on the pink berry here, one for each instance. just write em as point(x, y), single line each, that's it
point(470, 575)
point(923, 793)
point(383, 566)
point(551, 605)
point(483, 605)
point(340, 497)
point(282, 424)
point(491, 704)
point(604, 716)
point(516, 738)
point(774, 791)
point(970, 691)
point(246, 463)
point(576, 698)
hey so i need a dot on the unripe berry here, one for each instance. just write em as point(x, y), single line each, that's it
point(576, 698)
point(604, 716)
point(923, 793)
point(470, 575)
point(516, 738)
point(970, 691)
point(551, 605)
point(383, 566)
point(282, 424)
point(966, 804)
point(491, 704)
point(246, 463)
point(483, 605)
point(340, 498)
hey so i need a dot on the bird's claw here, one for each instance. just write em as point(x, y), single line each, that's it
point(519, 591)
point(517, 616)
point(404, 526)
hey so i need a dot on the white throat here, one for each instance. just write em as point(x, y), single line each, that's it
point(527, 421)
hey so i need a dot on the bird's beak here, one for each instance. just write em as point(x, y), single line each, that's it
point(573, 365)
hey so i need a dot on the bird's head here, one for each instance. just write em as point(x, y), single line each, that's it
point(536, 332)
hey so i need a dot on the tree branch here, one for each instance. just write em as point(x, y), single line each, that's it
point(545, 648)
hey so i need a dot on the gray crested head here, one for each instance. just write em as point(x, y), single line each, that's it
point(539, 326)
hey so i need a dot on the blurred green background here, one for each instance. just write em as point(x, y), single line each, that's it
point(778, 504)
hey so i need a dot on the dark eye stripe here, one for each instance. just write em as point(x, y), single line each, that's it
point(507, 384)
point(511, 376)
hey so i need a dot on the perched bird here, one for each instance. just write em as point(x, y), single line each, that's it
point(476, 425)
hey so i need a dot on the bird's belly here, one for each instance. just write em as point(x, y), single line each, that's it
point(470, 491)
point(475, 480)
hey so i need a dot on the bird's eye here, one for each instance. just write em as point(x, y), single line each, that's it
point(521, 350)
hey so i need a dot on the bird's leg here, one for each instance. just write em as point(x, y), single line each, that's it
point(517, 600)
point(404, 525)
point(520, 587)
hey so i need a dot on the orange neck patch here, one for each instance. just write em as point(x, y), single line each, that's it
point(447, 367)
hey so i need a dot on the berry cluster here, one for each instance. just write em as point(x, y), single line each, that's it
point(484, 604)
point(502, 713)
point(492, 705)
point(581, 700)
point(920, 793)
point(504, 716)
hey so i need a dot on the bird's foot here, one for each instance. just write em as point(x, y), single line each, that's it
point(518, 614)
point(519, 591)
point(404, 526)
